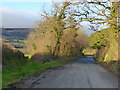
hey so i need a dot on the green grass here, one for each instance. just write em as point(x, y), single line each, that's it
point(28, 55)
point(112, 66)
point(0, 78)
point(16, 71)
point(14, 74)
point(89, 51)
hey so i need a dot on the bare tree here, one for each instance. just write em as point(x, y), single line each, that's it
point(97, 12)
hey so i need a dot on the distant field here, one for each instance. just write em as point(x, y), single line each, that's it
point(15, 33)
point(16, 43)
point(15, 36)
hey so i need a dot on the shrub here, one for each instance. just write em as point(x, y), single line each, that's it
point(42, 57)
point(11, 54)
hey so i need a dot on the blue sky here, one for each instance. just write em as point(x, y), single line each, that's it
point(30, 6)
point(21, 14)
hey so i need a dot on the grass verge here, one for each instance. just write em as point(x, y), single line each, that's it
point(113, 67)
point(17, 71)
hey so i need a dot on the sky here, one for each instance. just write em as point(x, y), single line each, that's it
point(25, 14)
point(21, 14)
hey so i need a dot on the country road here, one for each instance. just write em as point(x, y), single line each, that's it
point(84, 73)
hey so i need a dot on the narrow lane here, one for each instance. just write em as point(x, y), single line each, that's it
point(84, 73)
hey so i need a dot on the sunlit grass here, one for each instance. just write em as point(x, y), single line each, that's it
point(28, 55)
point(0, 78)
point(89, 51)
point(11, 75)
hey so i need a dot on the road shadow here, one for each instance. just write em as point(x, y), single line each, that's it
point(88, 59)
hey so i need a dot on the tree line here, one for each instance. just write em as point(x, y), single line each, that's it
point(59, 32)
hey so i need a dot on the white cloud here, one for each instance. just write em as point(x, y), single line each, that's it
point(103, 26)
point(17, 18)
point(0, 17)
point(85, 25)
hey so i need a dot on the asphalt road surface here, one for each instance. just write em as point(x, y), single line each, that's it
point(84, 73)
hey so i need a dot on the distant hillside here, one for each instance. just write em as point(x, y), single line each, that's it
point(15, 36)
point(15, 33)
